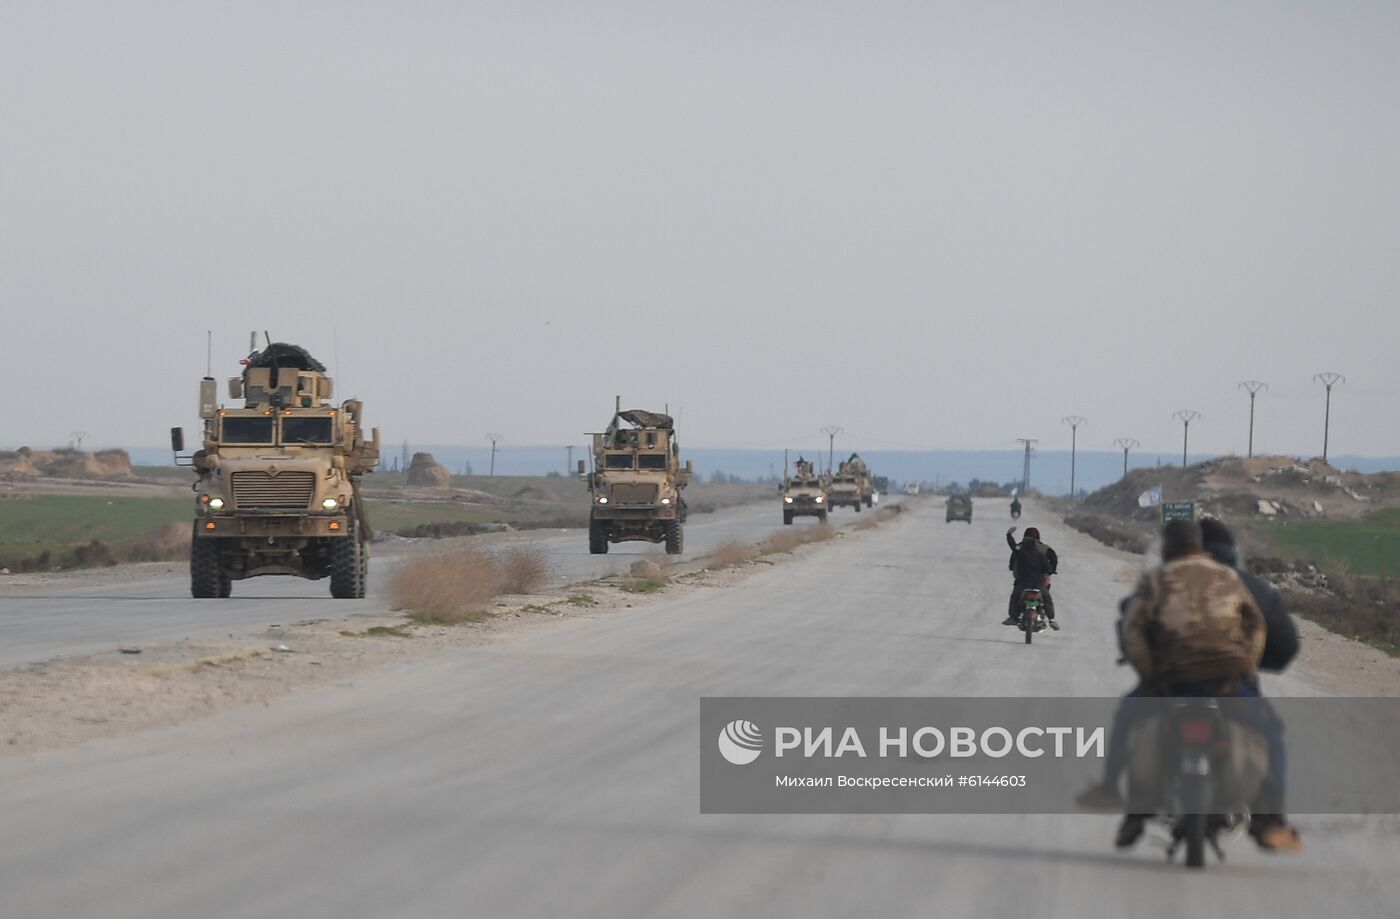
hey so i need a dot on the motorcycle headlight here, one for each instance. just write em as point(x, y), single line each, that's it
point(330, 504)
point(216, 504)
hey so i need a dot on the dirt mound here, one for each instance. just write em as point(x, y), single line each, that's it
point(531, 493)
point(66, 464)
point(1120, 499)
point(428, 472)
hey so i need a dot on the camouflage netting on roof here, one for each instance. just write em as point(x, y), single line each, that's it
point(643, 419)
point(281, 354)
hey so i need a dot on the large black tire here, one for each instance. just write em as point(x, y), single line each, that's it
point(869, 500)
point(1029, 632)
point(822, 516)
point(206, 581)
point(787, 518)
point(597, 537)
point(675, 537)
point(348, 567)
point(856, 506)
point(1194, 829)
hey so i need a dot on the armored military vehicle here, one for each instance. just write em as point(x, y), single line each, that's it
point(636, 482)
point(278, 487)
point(804, 493)
point(853, 475)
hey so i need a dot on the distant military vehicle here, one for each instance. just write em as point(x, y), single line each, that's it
point(804, 493)
point(959, 507)
point(636, 482)
point(278, 488)
point(911, 488)
point(881, 486)
point(854, 472)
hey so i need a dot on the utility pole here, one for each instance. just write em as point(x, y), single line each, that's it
point(1125, 444)
point(1254, 388)
point(831, 431)
point(78, 437)
point(1329, 380)
point(1074, 421)
point(1186, 416)
point(493, 438)
point(569, 466)
point(1026, 468)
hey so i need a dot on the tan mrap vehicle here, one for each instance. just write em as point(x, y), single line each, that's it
point(843, 490)
point(804, 494)
point(856, 468)
point(278, 488)
point(636, 482)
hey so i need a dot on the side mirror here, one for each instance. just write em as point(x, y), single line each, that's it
point(582, 467)
point(177, 439)
point(689, 467)
point(235, 387)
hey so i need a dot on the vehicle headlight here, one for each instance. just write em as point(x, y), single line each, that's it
point(330, 504)
point(602, 499)
point(216, 504)
point(820, 499)
point(787, 499)
point(665, 500)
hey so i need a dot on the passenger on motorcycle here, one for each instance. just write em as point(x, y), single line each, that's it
point(1270, 830)
point(1032, 562)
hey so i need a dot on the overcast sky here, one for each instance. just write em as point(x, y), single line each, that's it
point(936, 225)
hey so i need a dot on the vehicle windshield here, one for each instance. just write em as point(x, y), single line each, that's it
point(307, 429)
point(617, 461)
point(652, 461)
point(236, 429)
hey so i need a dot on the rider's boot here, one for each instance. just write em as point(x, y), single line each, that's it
point(1130, 830)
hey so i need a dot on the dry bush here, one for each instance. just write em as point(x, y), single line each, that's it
point(786, 540)
point(448, 588)
point(167, 543)
point(522, 571)
point(731, 554)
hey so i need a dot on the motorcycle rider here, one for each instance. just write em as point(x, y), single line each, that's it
point(1016, 508)
point(1032, 562)
point(1271, 831)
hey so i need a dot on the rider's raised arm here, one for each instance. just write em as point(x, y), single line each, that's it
point(1053, 559)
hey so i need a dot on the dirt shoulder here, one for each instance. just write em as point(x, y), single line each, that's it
point(75, 700)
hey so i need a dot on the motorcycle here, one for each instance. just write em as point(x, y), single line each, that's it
point(1015, 510)
point(1197, 801)
point(1032, 618)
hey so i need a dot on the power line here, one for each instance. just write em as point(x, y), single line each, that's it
point(1186, 416)
point(1254, 388)
point(1026, 466)
point(1074, 421)
point(831, 431)
point(1328, 379)
point(494, 438)
point(1125, 444)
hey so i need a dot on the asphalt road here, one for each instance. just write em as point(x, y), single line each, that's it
point(555, 773)
point(61, 620)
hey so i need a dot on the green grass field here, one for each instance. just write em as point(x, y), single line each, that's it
point(31, 525)
point(1368, 546)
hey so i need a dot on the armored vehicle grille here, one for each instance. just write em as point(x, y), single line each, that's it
point(634, 494)
point(258, 489)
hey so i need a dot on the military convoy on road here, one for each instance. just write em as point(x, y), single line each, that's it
point(278, 487)
point(636, 482)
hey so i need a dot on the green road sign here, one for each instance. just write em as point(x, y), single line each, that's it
point(1178, 510)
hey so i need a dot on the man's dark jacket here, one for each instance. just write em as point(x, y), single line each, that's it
point(1031, 561)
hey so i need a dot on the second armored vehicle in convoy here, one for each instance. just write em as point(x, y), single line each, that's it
point(278, 488)
point(636, 482)
point(804, 494)
point(852, 484)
